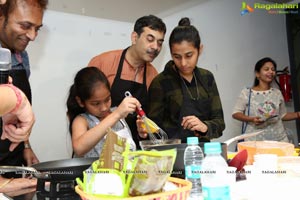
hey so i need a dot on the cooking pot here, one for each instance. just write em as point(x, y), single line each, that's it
point(58, 170)
point(178, 168)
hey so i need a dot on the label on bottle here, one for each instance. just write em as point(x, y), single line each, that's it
point(193, 171)
point(216, 193)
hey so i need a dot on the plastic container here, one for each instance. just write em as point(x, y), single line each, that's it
point(265, 147)
point(193, 157)
point(182, 192)
point(214, 177)
point(5, 65)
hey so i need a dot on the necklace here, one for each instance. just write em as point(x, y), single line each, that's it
point(198, 95)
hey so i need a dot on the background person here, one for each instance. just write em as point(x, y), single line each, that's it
point(20, 21)
point(265, 105)
point(184, 99)
point(131, 69)
point(90, 113)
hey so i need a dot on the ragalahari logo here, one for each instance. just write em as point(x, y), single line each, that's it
point(246, 8)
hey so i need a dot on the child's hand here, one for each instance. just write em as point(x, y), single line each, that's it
point(141, 127)
point(128, 105)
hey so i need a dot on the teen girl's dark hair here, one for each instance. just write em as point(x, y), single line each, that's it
point(185, 32)
point(84, 83)
point(260, 64)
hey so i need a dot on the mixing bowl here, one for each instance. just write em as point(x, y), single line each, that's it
point(149, 144)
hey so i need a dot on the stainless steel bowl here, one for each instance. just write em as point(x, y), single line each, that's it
point(148, 144)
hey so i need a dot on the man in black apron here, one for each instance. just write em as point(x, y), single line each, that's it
point(147, 39)
point(138, 90)
point(17, 29)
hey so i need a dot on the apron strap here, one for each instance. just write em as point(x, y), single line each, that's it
point(120, 67)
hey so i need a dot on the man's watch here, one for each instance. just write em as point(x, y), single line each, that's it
point(27, 146)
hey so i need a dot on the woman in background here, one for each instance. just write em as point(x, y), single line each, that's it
point(90, 113)
point(262, 107)
point(184, 99)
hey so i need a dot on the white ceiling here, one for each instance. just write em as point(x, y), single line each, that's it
point(122, 10)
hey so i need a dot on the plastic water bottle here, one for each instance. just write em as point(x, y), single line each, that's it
point(5, 64)
point(215, 183)
point(193, 157)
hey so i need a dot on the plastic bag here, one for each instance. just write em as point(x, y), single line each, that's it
point(150, 171)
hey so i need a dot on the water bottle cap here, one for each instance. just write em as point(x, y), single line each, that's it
point(192, 140)
point(212, 147)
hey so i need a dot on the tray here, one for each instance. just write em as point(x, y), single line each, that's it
point(182, 192)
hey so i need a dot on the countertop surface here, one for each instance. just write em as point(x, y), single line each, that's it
point(252, 189)
point(262, 189)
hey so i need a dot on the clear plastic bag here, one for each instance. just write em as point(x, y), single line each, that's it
point(150, 171)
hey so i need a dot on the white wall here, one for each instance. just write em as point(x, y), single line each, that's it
point(232, 45)
point(66, 44)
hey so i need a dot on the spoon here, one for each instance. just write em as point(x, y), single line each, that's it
point(244, 136)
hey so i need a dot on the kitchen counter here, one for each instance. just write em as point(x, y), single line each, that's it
point(275, 186)
point(260, 189)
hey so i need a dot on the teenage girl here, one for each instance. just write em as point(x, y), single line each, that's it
point(184, 99)
point(90, 113)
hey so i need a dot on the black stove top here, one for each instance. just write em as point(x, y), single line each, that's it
point(54, 190)
point(39, 196)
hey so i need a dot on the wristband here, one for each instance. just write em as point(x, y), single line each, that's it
point(18, 94)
